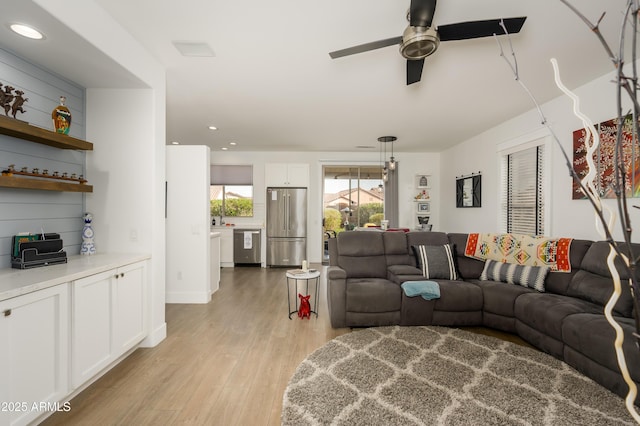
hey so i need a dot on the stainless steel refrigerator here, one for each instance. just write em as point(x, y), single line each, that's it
point(286, 226)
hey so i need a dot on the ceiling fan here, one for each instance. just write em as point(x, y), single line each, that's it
point(420, 40)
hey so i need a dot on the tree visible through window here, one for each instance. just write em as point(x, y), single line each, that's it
point(232, 200)
point(522, 191)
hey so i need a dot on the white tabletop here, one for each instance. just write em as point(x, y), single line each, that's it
point(310, 274)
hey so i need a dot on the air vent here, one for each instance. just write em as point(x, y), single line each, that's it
point(194, 48)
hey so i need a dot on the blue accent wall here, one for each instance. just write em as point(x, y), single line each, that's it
point(26, 210)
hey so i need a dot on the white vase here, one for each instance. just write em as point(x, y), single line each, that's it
point(87, 247)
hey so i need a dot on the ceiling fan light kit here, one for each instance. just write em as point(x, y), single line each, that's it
point(419, 42)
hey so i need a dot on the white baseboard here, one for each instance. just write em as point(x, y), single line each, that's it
point(155, 337)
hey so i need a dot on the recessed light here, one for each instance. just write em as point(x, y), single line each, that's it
point(233, 143)
point(26, 31)
point(224, 148)
point(365, 147)
point(175, 143)
point(213, 128)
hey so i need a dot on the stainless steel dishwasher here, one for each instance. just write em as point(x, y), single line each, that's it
point(246, 246)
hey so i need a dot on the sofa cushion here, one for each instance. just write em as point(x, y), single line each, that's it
point(594, 283)
point(436, 261)
point(500, 298)
point(395, 248)
point(458, 296)
point(373, 295)
point(545, 312)
point(468, 267)
point(361, 254)
point(592, 336)
point(558, 282)
point(525, 276)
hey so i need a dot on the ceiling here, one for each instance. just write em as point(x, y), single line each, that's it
point(272, 86)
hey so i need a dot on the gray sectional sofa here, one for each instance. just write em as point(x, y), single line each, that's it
point(566, 320)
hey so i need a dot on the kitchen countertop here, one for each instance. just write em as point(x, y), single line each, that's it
point(16, 282)
point(236, 226)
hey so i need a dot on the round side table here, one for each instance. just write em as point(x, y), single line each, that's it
point(302, 280)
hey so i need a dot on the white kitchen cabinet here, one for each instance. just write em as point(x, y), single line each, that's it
point(287, 175)
point(34, 331)
point(130, 319)
point(226, 247)
point(108, 318)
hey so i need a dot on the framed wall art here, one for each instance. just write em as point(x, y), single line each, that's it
point(423, 181)
point(423, 206)
point(469, 191)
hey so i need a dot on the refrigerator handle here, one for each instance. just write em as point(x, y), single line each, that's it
point(288, 213)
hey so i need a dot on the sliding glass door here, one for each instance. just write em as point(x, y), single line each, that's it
point(353, 196)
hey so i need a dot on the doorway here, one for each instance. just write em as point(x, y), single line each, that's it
point(353, 197)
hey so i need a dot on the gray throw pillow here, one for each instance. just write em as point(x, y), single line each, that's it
point(436, 261)
point(526, 276)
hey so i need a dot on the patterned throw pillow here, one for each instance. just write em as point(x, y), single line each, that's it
point(436, 261)
point(526, 276)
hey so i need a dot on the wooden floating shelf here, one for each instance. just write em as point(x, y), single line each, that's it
point(46, 185)
point(22, 130)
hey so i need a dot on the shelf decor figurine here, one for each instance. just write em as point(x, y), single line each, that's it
point(61, 117)
point(87, 247)
point(11, 100)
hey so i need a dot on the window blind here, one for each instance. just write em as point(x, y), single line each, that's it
point(231, 175)
point(522, 194)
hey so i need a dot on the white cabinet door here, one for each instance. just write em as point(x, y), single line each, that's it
point(226, 247)
point(109, 317)
point(130, 313)
point(34, 331)
point(283, 174)
point(276, 174)
point(298, 175)
point(92, 317)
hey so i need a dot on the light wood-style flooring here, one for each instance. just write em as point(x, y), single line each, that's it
point(224, 363)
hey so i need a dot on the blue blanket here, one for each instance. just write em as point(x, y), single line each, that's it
point(427, 289)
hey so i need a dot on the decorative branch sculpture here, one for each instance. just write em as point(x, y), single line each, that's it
point(605, 216)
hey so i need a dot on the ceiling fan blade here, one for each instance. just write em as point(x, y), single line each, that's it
point(365, 47)
point(414, 71)
point(477, 29)
point(421, 12)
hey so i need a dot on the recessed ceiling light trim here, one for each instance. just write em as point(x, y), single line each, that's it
point(26, 31)
point(213, 128)
point(194, 49)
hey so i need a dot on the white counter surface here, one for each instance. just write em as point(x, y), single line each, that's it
point(16, 282)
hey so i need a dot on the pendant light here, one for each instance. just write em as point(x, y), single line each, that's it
point(392, 161)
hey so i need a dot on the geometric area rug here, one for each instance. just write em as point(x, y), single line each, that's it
point(441, 376)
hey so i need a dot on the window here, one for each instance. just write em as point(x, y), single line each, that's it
point(523, 191)
point(231, 191)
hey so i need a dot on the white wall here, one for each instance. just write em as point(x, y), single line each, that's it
point(188, 221)
point(408, 166)
point(568, 218)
